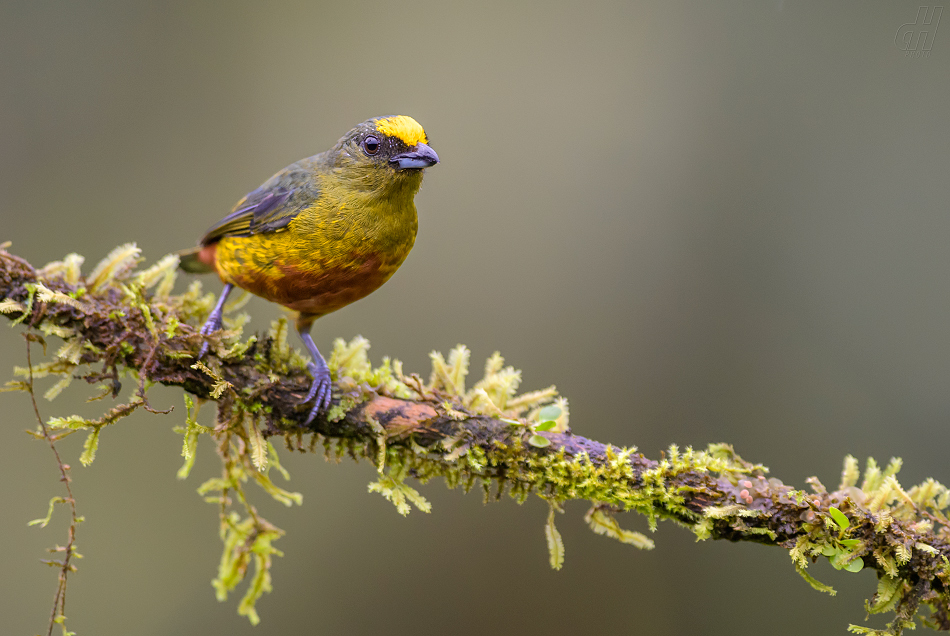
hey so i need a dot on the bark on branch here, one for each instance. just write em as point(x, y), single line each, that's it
point(110, 322)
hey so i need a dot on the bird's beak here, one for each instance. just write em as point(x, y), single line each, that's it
point(422, 156)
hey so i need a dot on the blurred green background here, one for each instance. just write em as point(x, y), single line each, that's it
point(703, 222)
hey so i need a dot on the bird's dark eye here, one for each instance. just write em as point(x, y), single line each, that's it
point(371, 145)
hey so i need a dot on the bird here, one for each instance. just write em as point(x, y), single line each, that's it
point(322, 233)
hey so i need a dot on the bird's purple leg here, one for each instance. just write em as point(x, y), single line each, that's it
point(214, 319)
point(320, 389)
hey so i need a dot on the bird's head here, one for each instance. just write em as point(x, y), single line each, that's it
point(385, 151)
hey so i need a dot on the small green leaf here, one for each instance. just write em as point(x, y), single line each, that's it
point(815, 583)
point(837, 561)
point(840, 520)
point(888, 594)
point(549, 412)
point(215, 483)
point(73, 422)
point(841, 562)
point(190, 434)
point(851, 472)
point(539, 441)
point(398, 493)
point(849, 543)
point(274, 461)
point(545, 426)
point(283, 496)
point(602, 522)
point(555, 544)
point(258, 447)
point(90, 446)
point(829, 551)
point(49, 515)
point(57, 388)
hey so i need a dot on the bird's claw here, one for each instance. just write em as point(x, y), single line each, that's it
point(319, 391)
point(212, 325)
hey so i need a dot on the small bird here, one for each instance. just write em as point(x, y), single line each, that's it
point(323, 232)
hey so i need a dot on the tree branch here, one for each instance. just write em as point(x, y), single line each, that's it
point(111, 324)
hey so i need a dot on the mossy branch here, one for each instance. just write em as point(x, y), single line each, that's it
point(113, 326)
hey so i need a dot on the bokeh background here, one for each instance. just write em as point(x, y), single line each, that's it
point(702, 222)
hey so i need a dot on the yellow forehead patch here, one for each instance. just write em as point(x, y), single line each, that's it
point(403, 128)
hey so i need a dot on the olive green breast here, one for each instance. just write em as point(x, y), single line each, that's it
point(344, 245)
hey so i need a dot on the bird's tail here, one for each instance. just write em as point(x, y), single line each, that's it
point(195, 260)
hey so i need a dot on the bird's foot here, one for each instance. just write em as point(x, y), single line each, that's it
point(214, 319)
point(212, 325)
point(319, 390)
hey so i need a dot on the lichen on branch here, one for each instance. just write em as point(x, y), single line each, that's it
point(120, 322)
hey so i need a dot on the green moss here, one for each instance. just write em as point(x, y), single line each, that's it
point(902, 533)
